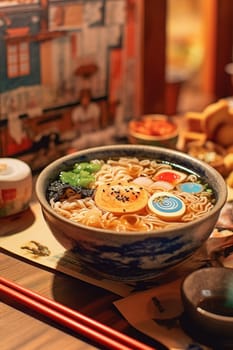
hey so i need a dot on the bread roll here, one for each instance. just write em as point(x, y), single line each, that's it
point(194, 121)
point(224, 135)
point(215, 115)
point(229, 180)
point(194, 136)
point(228, 161)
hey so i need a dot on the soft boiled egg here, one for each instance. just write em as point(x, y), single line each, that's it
point(121, 197)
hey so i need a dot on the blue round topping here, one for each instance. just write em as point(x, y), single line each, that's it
point(190, 187)
point(166, 205)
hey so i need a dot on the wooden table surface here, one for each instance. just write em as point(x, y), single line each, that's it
point(22, 329)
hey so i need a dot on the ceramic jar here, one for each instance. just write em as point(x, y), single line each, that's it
point(15, 186)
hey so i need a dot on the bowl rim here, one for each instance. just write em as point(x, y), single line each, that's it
point(42, 178)
point(198, 311)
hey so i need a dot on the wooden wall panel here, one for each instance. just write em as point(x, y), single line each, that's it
point(224, 47)
point(153, 56)
point(218, 19)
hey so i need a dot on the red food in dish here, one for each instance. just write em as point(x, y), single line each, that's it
point(153, 127)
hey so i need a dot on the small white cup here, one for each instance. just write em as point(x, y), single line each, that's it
point(15, 186)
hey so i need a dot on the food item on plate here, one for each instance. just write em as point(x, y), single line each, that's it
point(214, 115)
point(194, 121)
point(153, 126)
point(210, 153)
point(228, 161)
point(224, 134)
point(130, 194)
point(190, 136)
point(210, 124)
point(153, 130)
point(209, 119)
point(229, 180)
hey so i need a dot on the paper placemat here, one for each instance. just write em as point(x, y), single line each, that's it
point(157, 313)
point(27, 235)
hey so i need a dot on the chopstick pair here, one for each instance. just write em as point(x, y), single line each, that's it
point(81, 324)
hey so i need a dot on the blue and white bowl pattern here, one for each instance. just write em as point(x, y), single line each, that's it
point(132, 256)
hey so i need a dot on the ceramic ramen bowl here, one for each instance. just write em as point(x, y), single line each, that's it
point(153, 130)
point(135, 255)
point(208, 299)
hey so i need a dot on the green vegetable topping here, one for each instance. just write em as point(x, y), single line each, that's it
point(81, 174)
point(89, 167)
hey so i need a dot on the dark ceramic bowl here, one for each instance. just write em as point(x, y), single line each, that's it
point(208, 299)
point(132, 256)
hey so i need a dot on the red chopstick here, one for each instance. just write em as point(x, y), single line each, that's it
point(72, 319)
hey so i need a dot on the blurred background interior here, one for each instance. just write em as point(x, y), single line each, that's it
point(198, 48)
point(69, 69)
point(198, 39)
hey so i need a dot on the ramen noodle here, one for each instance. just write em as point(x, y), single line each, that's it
point(130, 195)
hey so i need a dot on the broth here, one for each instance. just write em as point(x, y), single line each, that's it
point(219, 305)
point(130, 194)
